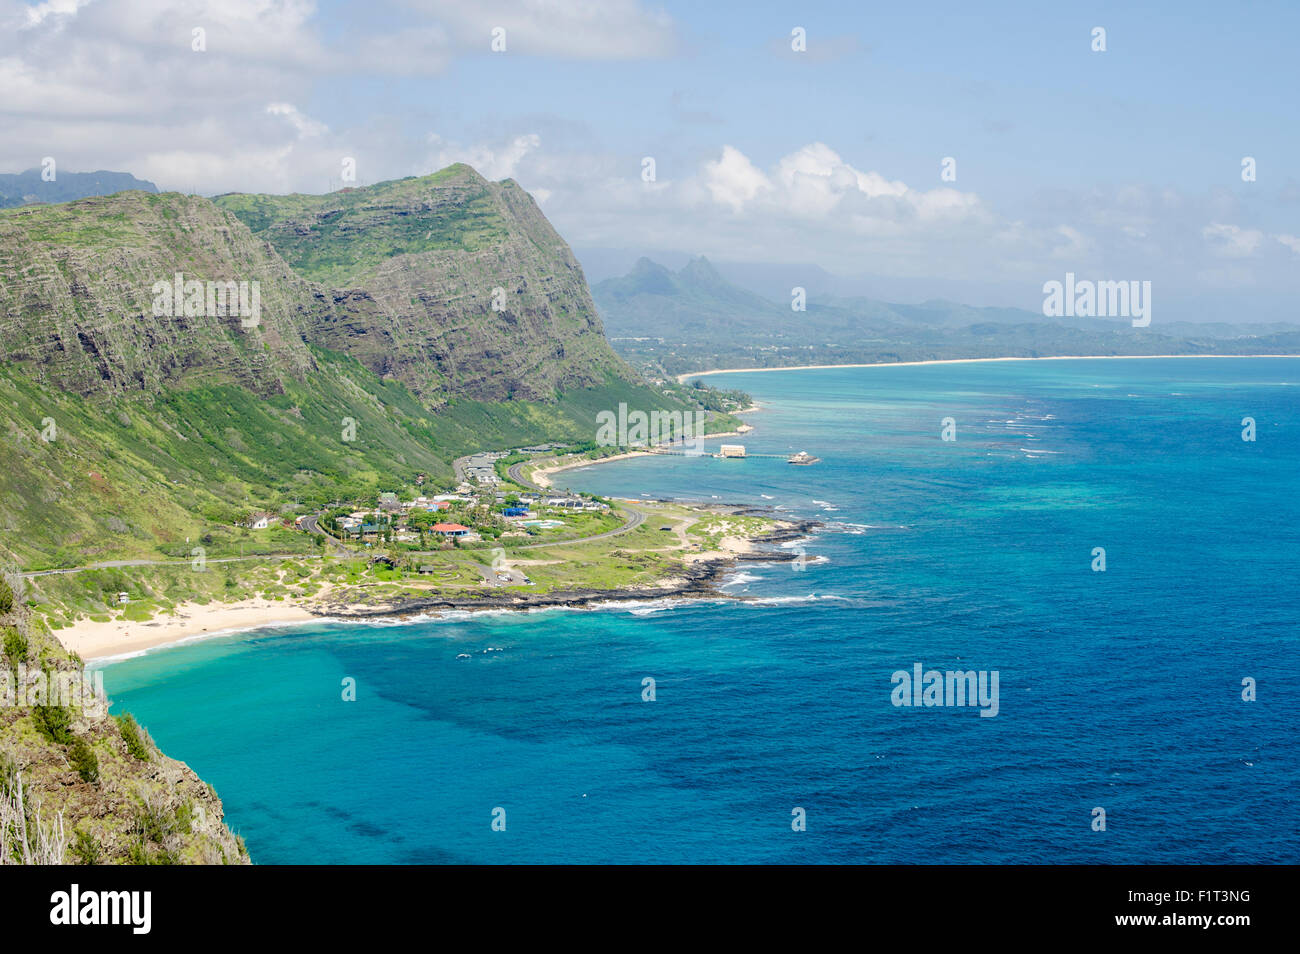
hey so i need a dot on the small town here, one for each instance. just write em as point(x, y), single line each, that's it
point(483, 509)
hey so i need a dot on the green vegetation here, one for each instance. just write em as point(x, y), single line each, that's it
point(350, 231)
point(85, 849)
point(83, 759)
point(54, 722)
point(15, 645)
point(133, 736)
point(171, 480)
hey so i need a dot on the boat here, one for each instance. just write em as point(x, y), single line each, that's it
point(802, 458)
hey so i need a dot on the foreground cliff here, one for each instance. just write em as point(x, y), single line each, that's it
point(80, 787)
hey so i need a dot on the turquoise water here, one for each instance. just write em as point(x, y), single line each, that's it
point(1118, 689)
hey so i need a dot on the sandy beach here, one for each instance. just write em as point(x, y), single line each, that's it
point(541, 476)
point(95, 640)
point(682, 378)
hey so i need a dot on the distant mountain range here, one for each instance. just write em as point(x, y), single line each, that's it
point(693, 319)
point(29, 188)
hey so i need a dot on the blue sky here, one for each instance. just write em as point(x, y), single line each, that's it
point(1123, 164)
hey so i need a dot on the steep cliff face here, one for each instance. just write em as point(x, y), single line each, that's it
point(456, 286)
point(78, 294)
point(452, 285)
point(78, 786)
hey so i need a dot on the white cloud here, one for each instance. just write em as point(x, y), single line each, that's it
point(733, 180)
point(305, 126)
point(39, 13)
point(1290, 241)
point(579, 29)
point(814, 183)
point(499, 161)
point(1231, 241)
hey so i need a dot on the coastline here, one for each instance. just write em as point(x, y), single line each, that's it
point(682, 378)
point(100, 642)
point(93, 640)
point(541, 476)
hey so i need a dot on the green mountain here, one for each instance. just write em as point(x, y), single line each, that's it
point(133, 424)
point(669, 323)
point(26, 188)
point(449, 283)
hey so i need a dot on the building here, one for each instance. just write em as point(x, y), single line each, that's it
point(481, 468)
point(449, 529)
point(515, 511)
point(259, 520)
point(731, 450)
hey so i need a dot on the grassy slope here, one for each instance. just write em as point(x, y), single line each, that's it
point(335, 253)
point(148, 474)
point(136, 478)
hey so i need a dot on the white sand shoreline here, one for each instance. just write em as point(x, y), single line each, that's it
point(542, 475)
point(98, 641)
point(682, 378)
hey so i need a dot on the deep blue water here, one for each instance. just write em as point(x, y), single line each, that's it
point(1118, 689)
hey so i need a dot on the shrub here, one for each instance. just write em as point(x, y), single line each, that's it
point(83, 759)
point(133, 736)
point(6, 597)
point(54, 722)
point(86, 850)
point(15, 644)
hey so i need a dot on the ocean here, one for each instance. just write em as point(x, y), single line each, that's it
point(1118, 689)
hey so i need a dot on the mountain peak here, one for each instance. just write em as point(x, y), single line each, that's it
point(647, 265)
point(701, 270)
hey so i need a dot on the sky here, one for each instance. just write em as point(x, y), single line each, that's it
point(1117, 164)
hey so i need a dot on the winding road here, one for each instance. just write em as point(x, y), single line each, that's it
point(634, 517)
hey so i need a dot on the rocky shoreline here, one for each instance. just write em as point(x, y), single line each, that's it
point(696, 581)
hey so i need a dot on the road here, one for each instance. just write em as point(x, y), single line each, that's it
point(311, 524)
point(634, 519)
point(516, 473)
